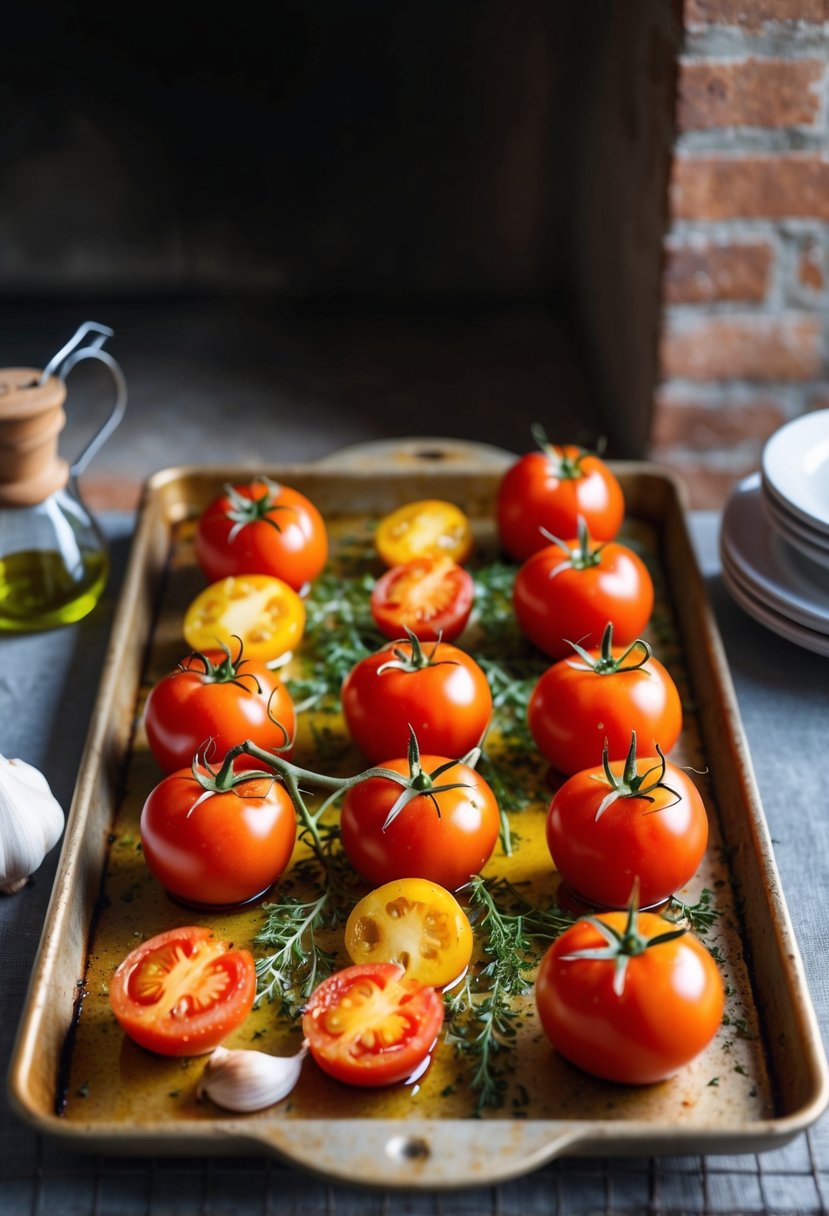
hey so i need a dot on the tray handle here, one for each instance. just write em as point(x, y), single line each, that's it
point(417, 453)
point(439, 1154)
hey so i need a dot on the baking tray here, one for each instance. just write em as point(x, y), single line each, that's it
point(74, 1076)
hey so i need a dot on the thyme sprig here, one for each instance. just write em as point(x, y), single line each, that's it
point(482, 1014)
point(701, 916)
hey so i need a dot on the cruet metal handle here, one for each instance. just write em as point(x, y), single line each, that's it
point(73, 353)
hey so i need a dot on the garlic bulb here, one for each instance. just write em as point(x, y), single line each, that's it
point(31, 821)
point(249, 1080)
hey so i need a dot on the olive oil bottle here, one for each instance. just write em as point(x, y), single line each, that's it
point(53, 558)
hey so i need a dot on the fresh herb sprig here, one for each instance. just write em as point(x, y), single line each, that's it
point(701, 916)
point(482, 1015)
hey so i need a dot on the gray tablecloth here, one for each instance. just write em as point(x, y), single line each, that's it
point(47, 689)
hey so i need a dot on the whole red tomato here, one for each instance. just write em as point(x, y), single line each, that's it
point(634, 820)
point(568, 594)
point(262, 528)
point(439, 690)
point(442, 834)
point(553, 489)
point(213, 698)
point(636, 1021)
point(596, 698)
point(217, 849)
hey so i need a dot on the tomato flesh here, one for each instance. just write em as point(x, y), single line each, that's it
point(431, 597)
point(427, 528)
point(415, 923)
point(182, 992)
point(370, 1025)
point(264, 612)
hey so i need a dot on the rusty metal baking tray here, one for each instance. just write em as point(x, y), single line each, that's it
point(74, 1076)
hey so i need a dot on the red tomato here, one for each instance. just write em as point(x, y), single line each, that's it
point(655, 831)
point(182, 992)
point(551, 489)
point(211, 697)
point(432, 597)
point(262, 528)
point(565, 596)
point(600, 696)
point(664, 1011)
point(217, 849)
point(442, 693)
point(370, 1025)
point(443, 835)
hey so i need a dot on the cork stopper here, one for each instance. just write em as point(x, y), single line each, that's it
point(31, 419)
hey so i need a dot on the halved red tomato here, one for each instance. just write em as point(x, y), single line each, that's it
point(180, 993)
point(430, 597)
point(369, 1025)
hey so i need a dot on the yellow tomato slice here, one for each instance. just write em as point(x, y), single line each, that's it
point(415, 923)
point(428, 528)
point(264, 612)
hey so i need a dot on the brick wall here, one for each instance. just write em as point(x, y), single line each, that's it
point(746, 270)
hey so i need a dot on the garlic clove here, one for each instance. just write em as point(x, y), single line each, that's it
point(249, 1080)
point(31, 821)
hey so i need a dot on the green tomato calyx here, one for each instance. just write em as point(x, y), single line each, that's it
point(416, 660)
point(631, 783)
point(622, 947)
point(228, 670)
point(606, 663)
point(244, 510)
point(419, 782)
point(581, 556)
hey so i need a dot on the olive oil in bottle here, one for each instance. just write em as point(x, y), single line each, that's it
point(53, 559)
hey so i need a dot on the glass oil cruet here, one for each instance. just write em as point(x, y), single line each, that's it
point(53, 558)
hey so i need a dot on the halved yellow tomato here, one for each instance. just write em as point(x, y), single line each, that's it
point(265, 613)
point(415, 923)
point(427, 528)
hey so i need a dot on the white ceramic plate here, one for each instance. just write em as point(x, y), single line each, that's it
point(809, 639)
point(796, 466)
point(782, 577)
point(805, 540)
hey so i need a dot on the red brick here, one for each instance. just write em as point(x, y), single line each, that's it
point(751, 15)
point(696, 274)
point(743, 348)
point(811, 266)
point(754, 93)
point(786, 185)
point(708, 428)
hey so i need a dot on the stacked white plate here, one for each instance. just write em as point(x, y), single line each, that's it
point(774, 543)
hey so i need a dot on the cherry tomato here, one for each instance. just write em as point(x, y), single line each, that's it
point(212, 697)
point(415, 923)
point(428, 528)
point(655, 830)
point(372, 1025)
point(552, 489)
point(664, 1011)
point(599, 696)
point(217, 849)
point(443, 835)
point(262, 528)
point(432, 597)
point(180, 993)
point(264, 612)
point(441, 692)
point(568, 595)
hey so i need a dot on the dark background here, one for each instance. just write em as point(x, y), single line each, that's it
point(412, 217)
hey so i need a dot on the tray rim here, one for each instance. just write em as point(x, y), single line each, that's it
point(237, 1135)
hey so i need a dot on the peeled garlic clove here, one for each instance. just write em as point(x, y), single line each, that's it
point(31, 821)
point(249, 1080)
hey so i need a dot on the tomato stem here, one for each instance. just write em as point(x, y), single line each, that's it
point(632, 783)
point(605, 664)
point(244, 510)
